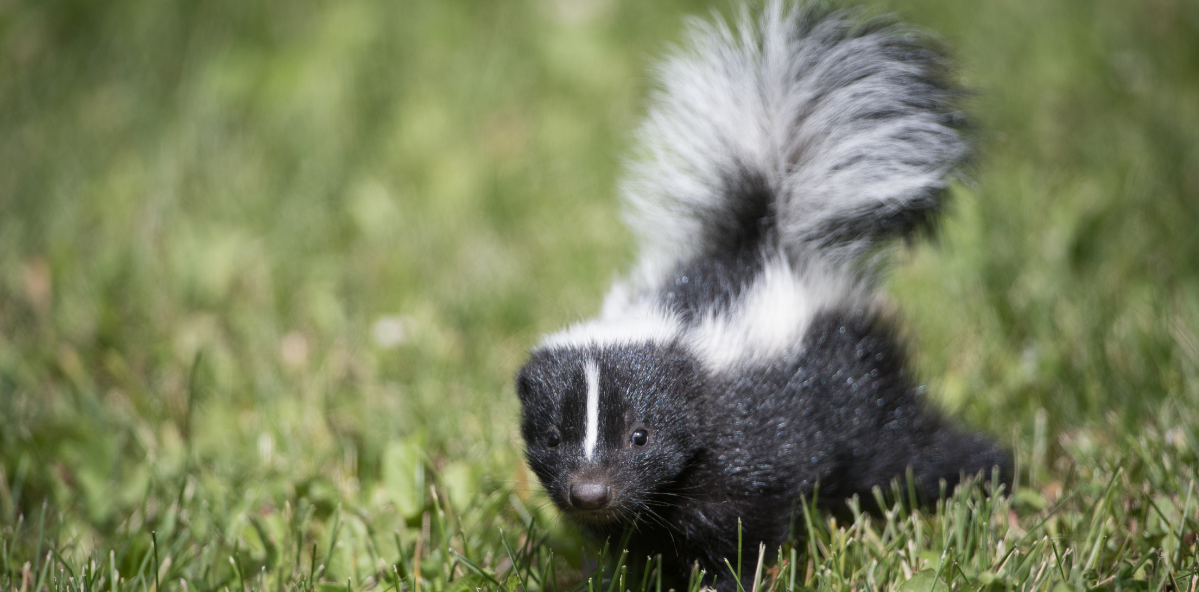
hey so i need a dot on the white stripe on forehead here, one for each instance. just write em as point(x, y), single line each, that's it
point(591, 372)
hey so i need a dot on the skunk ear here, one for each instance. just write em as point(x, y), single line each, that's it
point(524, 384)
point(684, 373)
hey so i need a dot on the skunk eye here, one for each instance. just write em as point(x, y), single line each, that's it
point(552, 439)
point(640, 437)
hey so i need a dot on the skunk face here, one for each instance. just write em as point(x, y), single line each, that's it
point(608, 429)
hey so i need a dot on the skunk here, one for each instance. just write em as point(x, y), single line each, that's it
point(745, 364)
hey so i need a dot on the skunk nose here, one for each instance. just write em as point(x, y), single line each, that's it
point(590, 495)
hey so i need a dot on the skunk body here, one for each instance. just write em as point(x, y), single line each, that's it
point(743, 364)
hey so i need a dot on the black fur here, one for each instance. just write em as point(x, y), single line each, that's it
point(844, 415)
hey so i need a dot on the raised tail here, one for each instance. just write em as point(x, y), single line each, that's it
point(809, 127)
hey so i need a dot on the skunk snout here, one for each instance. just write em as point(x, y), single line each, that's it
point(590, 494)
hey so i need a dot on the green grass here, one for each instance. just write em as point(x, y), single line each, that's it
point(266, 270)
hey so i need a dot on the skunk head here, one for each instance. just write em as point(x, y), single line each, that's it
point(608, 428)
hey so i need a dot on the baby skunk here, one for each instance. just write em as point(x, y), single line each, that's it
point(744, 362)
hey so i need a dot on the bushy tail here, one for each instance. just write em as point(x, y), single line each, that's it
point(809, 128)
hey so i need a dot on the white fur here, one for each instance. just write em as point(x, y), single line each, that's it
point(624, 321)
point(591, 373)
point(770, 318)
point(798, 113)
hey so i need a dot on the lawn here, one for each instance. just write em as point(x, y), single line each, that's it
point(267, 269)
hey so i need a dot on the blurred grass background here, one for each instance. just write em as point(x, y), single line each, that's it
point(264, 258)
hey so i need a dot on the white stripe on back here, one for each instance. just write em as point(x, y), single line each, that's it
point(771, 314)
point(591, 372)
